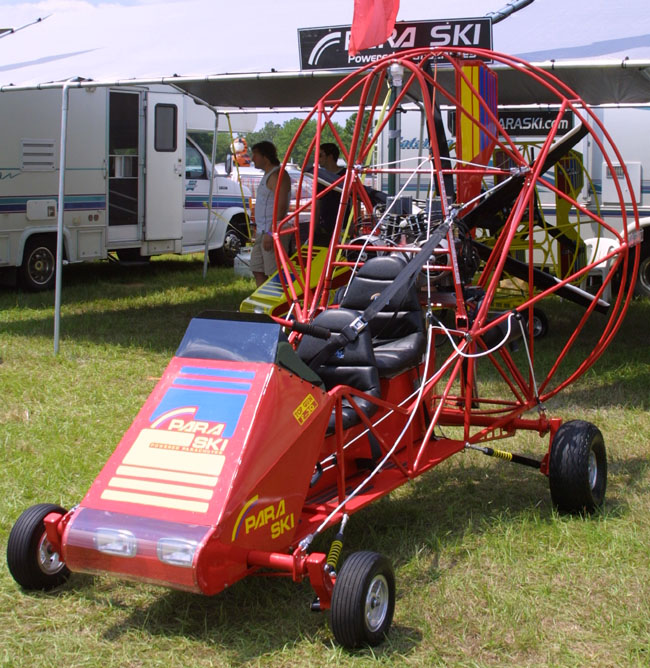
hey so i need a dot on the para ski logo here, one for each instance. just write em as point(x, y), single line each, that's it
point(331, 39)
point(206, 436)
point(327, 47)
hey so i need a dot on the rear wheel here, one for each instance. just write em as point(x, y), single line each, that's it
point(540, 323)
point(578, 468)
point(363, 600)
point(31, 559)
point(642, 287)
point(38, 270)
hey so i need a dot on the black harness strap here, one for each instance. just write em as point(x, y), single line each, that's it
point(351, 332)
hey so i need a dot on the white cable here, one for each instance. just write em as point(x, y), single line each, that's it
point(379, 466)
point(484, 352)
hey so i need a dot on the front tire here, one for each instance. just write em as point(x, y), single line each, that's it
point(30, 557)
point(363, 600)
point(235, 238)
point(38, 270)
point(578, 468)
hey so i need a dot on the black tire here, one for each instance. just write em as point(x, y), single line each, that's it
point(235, 238)
point(363, 600)
point(578, 468)
point(642, 286)
point(540, 323)
point(30, 558)
point(38, 270)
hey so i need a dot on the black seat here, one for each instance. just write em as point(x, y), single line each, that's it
point(398, 333)
point(352, 365)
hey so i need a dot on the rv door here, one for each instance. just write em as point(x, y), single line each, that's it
point(164, 167)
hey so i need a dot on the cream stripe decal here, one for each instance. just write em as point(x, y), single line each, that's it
point(173, 476)
point(161, 488)
point(158, 501)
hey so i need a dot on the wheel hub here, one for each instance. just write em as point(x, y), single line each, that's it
point(41, 266)
point(377, 601)
point(593, 469)
point(49, 561)
point(232, 244)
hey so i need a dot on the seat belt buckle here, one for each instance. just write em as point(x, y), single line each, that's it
point(358, 325)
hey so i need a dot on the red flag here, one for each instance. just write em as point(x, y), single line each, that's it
point(372, 23)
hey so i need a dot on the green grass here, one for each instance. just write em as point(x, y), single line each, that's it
point(487, 573)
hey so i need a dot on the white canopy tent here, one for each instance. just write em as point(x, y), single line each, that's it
point(246, 56)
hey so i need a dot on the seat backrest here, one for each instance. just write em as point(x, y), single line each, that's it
point(402, 315)
point(352, 365)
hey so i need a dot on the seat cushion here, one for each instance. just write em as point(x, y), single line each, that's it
point(394, 357)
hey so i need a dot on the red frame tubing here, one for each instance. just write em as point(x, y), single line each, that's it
point(365, 86)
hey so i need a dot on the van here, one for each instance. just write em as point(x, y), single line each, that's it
point(136, 185)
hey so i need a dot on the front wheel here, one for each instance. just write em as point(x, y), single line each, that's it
point(31, 559)
point(363, 600)
point(225, 256)
point(578, 468)
point(235, 238)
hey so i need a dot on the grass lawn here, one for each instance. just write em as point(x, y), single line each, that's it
point(487, 573)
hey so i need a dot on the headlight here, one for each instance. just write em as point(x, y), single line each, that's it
point(176, 551)
point(119, 542)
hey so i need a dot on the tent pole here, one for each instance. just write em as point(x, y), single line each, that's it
point(59, 218)
point(210, 190)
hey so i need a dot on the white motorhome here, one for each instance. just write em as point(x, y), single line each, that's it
point(136, 184)
point(627, 127)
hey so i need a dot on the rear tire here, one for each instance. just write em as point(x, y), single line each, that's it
point(540, 324)
point(642, 287)
point(363, 600)
point(31, 560)
point(38, 270)
point(578, 468)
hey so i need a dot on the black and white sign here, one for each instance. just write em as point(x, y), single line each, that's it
point(525, 122)
point(533, 123)
point(327, 48)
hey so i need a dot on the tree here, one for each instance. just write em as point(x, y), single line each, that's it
point(282, 136)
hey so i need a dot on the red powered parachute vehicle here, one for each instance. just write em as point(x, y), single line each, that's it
point(264, 431)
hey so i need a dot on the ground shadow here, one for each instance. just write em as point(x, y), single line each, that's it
point(432, 513)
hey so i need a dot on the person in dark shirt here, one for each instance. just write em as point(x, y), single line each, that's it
point(328, 205)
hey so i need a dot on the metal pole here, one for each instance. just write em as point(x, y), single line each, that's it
point(206, 251)
point(508, 9)
point(59, 218)
point(396, 72)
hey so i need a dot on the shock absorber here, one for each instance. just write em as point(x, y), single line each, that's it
point(335, 548)
point(507, 456)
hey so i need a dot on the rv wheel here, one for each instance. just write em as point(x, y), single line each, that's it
point(38, 269)
point(642, 287)
point(540, 323)
point(225, 256)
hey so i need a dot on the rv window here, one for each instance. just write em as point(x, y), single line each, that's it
point(165, 127)
point(194, 165)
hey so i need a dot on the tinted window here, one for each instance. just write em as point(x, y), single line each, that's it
point(165, 127)
point(239, 337)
